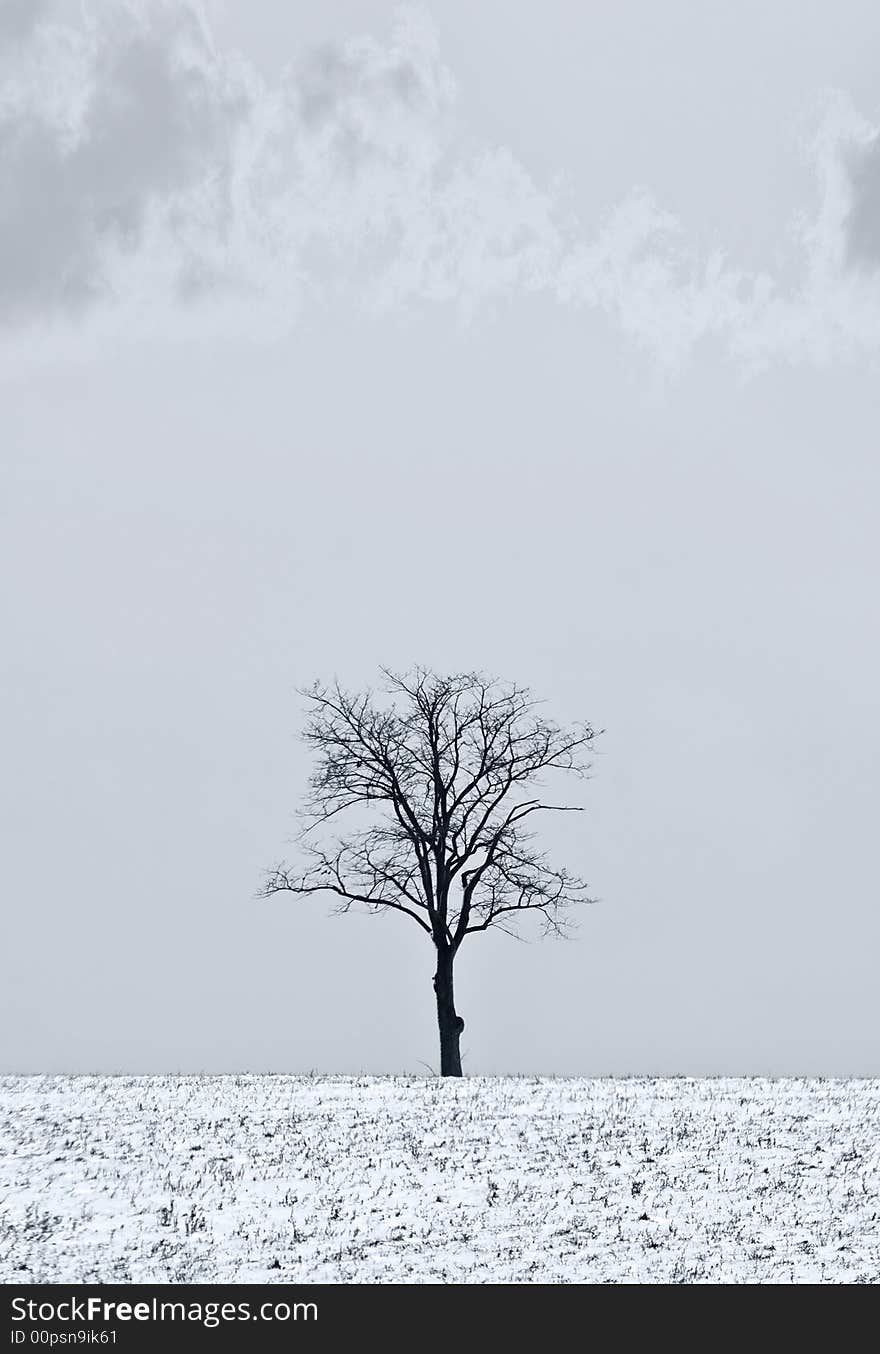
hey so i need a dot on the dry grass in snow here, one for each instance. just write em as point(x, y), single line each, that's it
point(400, 1180)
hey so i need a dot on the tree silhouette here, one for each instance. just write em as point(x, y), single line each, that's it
point(442, 777)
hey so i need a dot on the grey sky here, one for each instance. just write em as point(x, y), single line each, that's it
point(273, 344)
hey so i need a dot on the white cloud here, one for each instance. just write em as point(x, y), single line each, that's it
point(145, 173)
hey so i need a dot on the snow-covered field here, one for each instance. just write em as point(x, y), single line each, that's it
point(400, 1180)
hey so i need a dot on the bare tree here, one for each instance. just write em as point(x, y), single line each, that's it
point(447, 772)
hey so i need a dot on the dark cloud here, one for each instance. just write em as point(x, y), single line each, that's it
point(334, 85)
point(863, 219)
point(18, 18)
point(78, 188)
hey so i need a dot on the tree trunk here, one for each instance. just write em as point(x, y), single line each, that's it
point(450, 1023)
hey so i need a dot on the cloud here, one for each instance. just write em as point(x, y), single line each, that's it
point(862, 197)
point(107, 131)
point(863, 222)
point(145, 174)
point(831, 310)
point(18, 18)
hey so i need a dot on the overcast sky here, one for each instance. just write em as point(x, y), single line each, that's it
point(560, 321)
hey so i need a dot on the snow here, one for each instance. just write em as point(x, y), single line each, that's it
point(402, 1180)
